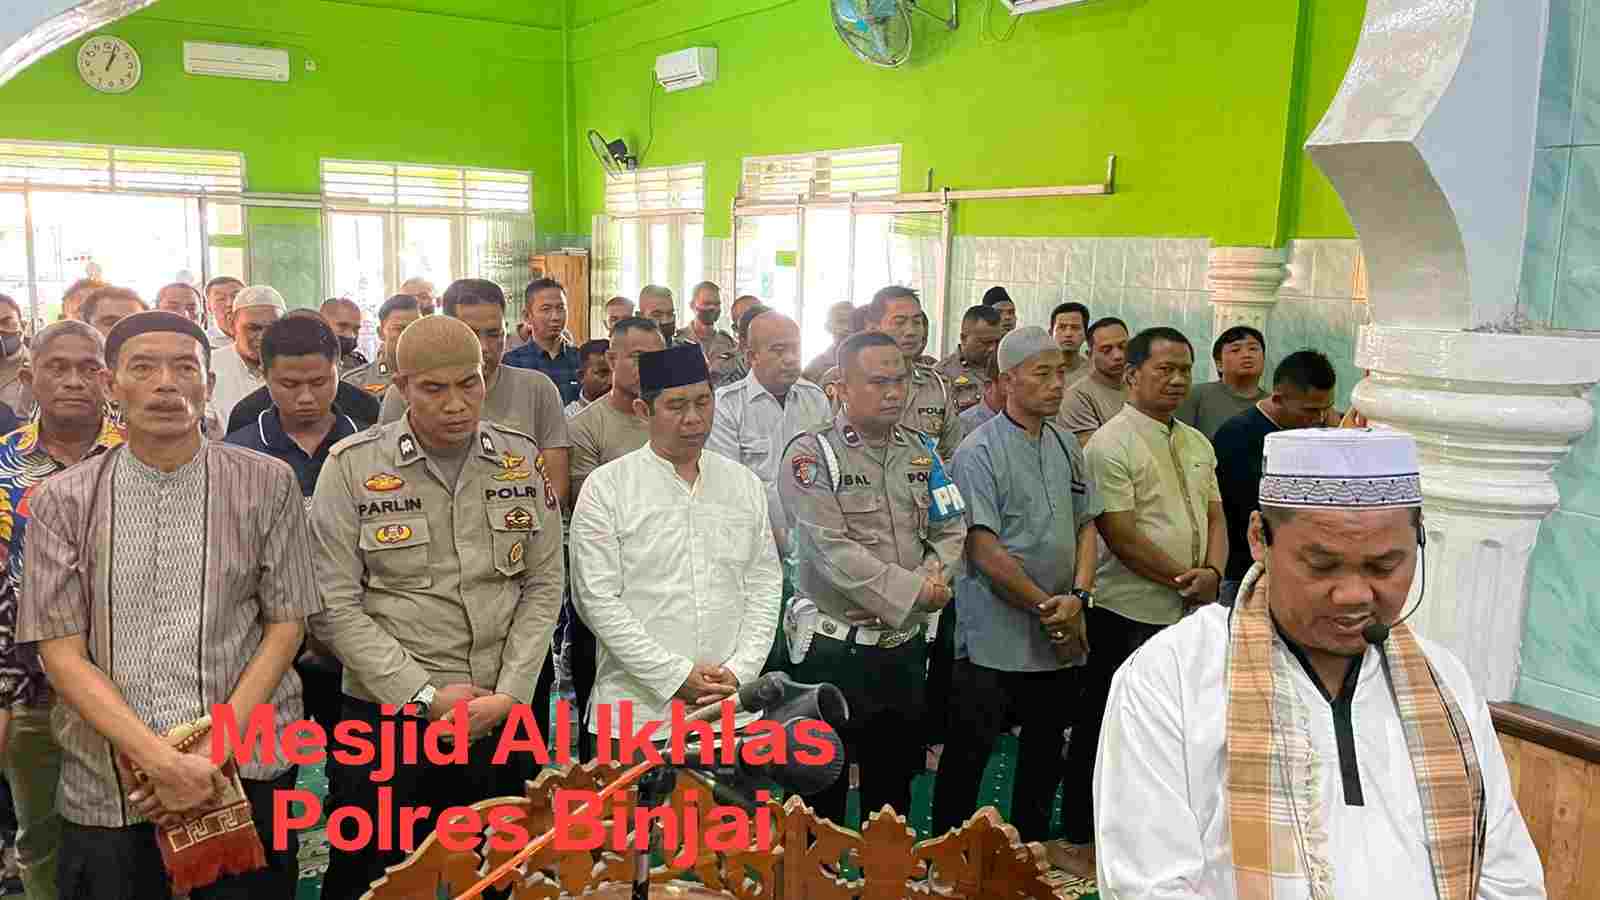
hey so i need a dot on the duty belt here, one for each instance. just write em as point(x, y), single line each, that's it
point(884, 638)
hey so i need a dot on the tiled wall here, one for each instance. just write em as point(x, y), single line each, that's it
point(1162, 281)
point(1561, 287)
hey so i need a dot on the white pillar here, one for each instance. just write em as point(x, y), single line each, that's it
point(1244, 283)
point(1492, 415)
point(1440, 204)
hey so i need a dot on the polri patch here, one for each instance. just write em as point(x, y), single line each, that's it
point(520, 519)
point(805, 470)
point(384, 481)
point(392, 534)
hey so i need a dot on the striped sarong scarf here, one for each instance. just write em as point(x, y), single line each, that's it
point(1275, 811)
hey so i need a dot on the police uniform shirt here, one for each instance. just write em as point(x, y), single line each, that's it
point(861, 544)
point(751, 429)
point(966, 382)
point(525, 400)
point(931, 410)
point(430, 583)
point(374, 377)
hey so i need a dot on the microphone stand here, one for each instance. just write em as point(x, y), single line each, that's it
point(655, 789)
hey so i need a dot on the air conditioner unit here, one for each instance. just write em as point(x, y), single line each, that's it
point(234, 61)
point(687, 68)
point(1023, 7)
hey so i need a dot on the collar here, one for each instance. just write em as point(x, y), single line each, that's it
point(853, 438)
point(1149, 423)
point(269, 427)
point(1264, 414)
point(1352, 672)
point(111, 434)
point(407, 449)
point(562, 348)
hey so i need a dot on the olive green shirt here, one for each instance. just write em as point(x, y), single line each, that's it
point(428, 583)
point(1088, 405)
point(599, 435)
point(1212, 404)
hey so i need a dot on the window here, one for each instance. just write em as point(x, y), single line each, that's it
point(65, 209)
point(654, 232)
point(812, 229)
point(386, 223)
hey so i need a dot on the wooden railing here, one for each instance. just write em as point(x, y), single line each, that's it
point(984, 859)
point(1555, 773)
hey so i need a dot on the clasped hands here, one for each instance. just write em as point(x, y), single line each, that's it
point(707, 684)
point(934, 596)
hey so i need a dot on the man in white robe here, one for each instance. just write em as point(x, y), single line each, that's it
point(1260, 752)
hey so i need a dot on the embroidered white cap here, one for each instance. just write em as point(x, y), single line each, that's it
point(259, 295)
point(1021, 345)
point(1341, 468)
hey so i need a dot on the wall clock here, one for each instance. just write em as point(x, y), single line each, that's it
point(109, 64)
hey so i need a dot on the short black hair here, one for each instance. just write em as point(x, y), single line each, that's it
point(472, 292)
point(101, 295)
point(996, 295)
point(1071, 306)
point(5, 300)
point(880, 302)
point(397, 303)
point(1307, 370)
point(1106, 322)
point(590, 350)
point(1139, 348)
point(1236, 333)
point(179, 284)
point(298, 335)
point(222, 279)
point(537, 285)
point(988, 315)
point(850, 350)
point(341, 301)
point(749, 318)
point(634, 323)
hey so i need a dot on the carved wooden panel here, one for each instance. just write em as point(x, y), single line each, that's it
point(983, 859)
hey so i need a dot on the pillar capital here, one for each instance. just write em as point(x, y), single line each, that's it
point(1244, 283)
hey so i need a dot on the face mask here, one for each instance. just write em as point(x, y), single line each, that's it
point(10, 343)
point(347, 345)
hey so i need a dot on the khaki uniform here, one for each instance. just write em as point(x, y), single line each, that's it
point(13, 392)
point(424, 584)
point(860, 528)
point(723, 359)
point(966, 382)
point(931, 409)
point(374, 377)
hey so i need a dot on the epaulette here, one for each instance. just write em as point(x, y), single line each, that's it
point(505, 429)
point(361, 437)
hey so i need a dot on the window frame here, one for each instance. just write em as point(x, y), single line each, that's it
point(675, 210)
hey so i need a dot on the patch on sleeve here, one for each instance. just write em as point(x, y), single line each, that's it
point(384, 481)
point(805, 470)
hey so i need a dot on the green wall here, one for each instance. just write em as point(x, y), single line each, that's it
point(1204, 107)
point(390, 84)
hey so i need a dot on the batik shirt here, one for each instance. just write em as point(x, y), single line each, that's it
point(24, 462)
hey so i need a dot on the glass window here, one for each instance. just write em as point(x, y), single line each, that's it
point(357, 252)
point(14, 248)
point(427, 250)
point(78, 235)
point(632, 260)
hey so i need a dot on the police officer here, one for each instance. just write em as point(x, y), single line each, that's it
point(437, 543)
point(928, 406)
point(966, 371)
point(375, 377)
point(876, 554)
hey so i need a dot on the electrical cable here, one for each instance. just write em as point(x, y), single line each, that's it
point(651, 118)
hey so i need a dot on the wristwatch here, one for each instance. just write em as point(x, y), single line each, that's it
point(423, 700)
point(1086, 596)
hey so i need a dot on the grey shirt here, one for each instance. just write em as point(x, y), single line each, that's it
point(1212, 404)
point(1034, 495)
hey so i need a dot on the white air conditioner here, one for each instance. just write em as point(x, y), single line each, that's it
point(234, 61)
point(1023, 7)
point(687, 68)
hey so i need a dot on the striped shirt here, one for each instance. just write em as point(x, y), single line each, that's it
point(249, 563)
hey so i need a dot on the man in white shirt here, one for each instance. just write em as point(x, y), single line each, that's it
point(674, 567)
point(237, 367)
point(220, 294)
point(758, 414)
point(1306, 743)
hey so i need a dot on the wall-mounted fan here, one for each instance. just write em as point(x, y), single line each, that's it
point(879, 31)
point(613, 155)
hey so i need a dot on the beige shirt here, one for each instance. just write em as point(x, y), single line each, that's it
point(430, 584)
point(931, 409)
point(861, 545)
point(966, 382)
point(13, 392)
point(1167, 475)
point(599, 435)
point(258, 571)
point(1089, 404)
point(520, 399)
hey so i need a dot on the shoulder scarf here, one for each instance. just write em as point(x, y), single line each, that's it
point(1275, 811)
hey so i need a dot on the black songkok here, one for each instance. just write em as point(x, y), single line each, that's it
point(149, 322)
point(673, 367)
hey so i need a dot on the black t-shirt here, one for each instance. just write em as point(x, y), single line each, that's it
point(350, 401)
point(1240, 444)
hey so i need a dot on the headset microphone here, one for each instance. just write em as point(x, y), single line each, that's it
point(1377, 632)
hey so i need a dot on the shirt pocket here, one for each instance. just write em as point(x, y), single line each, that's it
point(511, 529)
point(396, 552)
point(862, 516)
point(755, 452)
